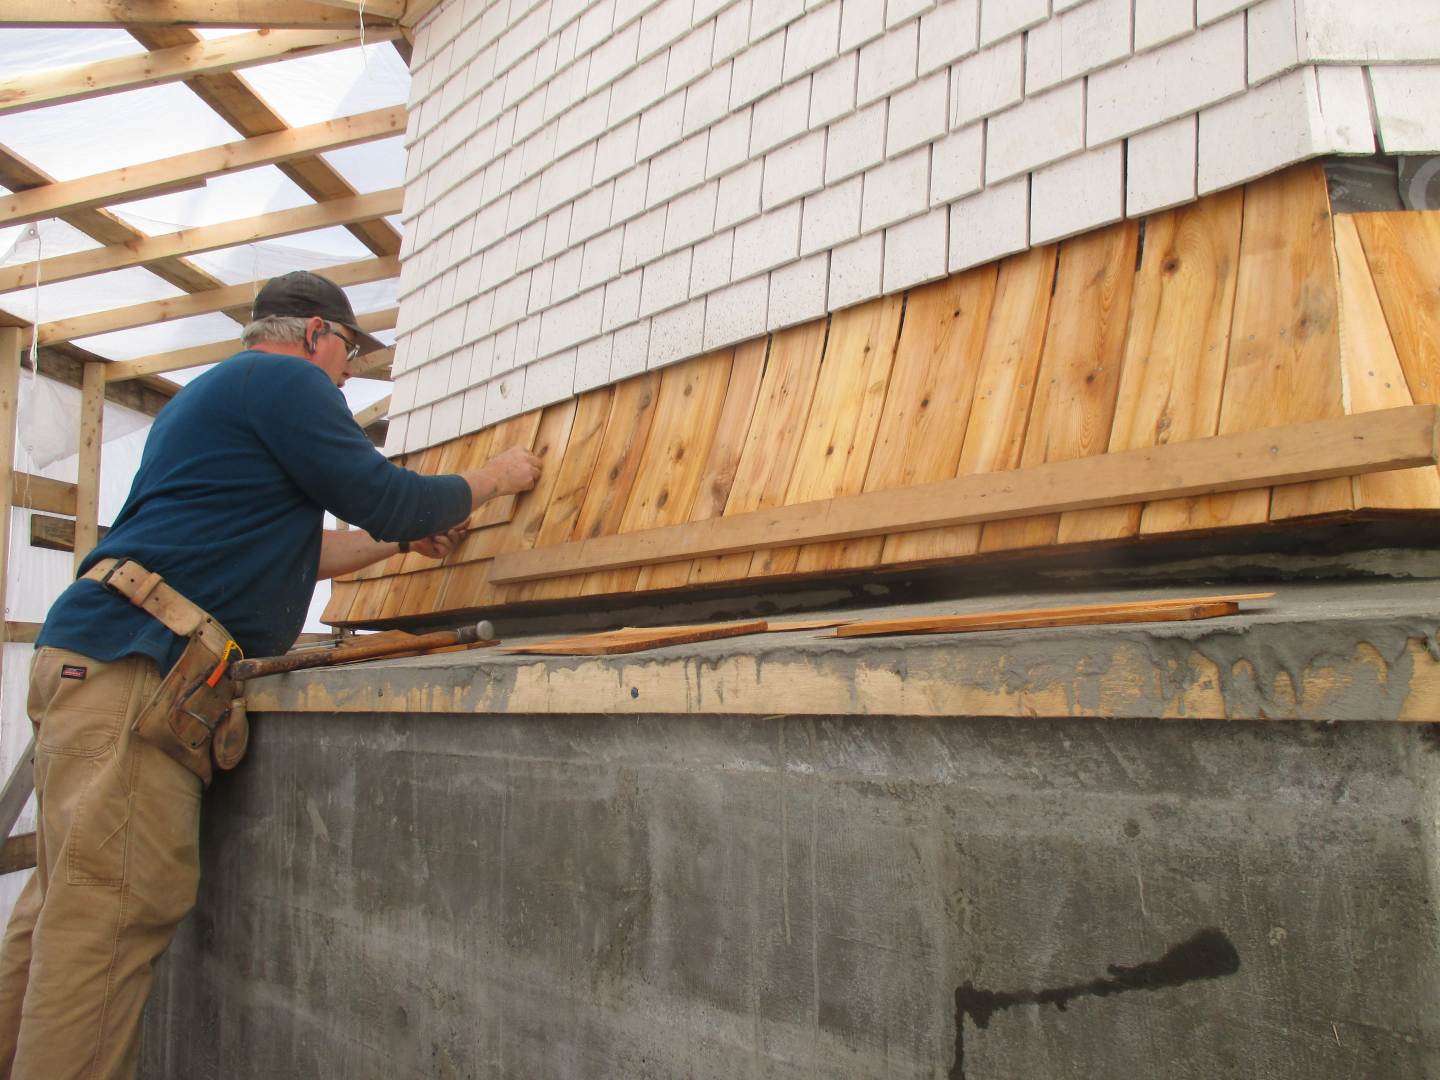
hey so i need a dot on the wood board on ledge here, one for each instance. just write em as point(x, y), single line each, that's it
point(1249, 309)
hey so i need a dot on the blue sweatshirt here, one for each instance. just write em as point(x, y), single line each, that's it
point(228, 506)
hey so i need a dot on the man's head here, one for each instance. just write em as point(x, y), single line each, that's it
point(303, 314)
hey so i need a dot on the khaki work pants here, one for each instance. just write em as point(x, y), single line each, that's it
point(117, 847)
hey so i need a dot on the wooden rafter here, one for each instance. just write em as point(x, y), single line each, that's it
point(416, 10)
point(243, 14)
point(368, 367)
point(368, 415)
point(206, 57)
point(235, 102)
point(180, 307)
point(390, 9)
point(150, 249)
point(182, 170)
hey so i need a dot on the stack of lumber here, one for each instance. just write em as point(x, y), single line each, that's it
point(1249, 310)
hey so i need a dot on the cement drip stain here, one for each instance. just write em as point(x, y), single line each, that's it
point(1209, 954)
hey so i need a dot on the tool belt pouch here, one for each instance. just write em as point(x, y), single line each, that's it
point(186, 713)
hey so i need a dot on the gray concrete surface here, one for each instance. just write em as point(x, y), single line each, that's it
point(650, 896)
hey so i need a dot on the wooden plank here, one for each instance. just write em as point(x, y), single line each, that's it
point(516, 431)
point(87, 486)
point(42, 493)
point(773, 441)
point(122, 14)
point(726, 446)
point(198, 355)
point(200, 303)
point(18, 853)
point(56, 533)
point(937, 435)
point(147, 249)
point(33, 90)
point(1403, 250)
point(1344, 446)
point(1005, 385)
point(687, 410)
point(1079, 375)
point(798, 625)
point(390, 9)
point(1039, 620)
point(9, 411)
point(636, 639)
point(1037, 617)
point(1373, 376)
point(1174, 363)
point(571, 484)
point(1284, 364)
point(834, 454)
point(371, 413)
point(182, 170)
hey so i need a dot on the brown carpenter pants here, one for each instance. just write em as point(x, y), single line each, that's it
point(117, 847)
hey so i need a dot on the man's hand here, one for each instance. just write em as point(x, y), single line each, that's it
point(441, 544)
point(508, 473)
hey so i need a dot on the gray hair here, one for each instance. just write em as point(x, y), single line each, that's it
point(281, 329)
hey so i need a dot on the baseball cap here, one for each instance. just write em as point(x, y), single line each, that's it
point(302, 294)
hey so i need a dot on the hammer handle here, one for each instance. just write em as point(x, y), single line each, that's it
point(273, 665)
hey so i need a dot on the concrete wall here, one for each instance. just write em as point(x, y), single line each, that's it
point(393, 896)
point(599, 188)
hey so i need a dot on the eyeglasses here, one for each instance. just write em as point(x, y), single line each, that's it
point(352, 347)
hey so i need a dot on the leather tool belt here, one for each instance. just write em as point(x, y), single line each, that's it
point(195, 715)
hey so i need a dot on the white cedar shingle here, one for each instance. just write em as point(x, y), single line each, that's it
point(918, 113)
point(855, 143)
point(794, 170)
point(630, 350)
point(860, 21)
point(767, 241)
point(855, 271)
point(1041, 129)
point(832, 90)
point(798, 291)
point(915, 251)
point(780, 116)
point(1257, 133)
point(738, 198)
point(1405, 98)
point(831, 216)
point(757, 70)
point(691, 217)
point(592, 364)
point(1159, 21)
point(991, 80)
point(990, 224)
point(622, 301)
point(710, 263)
point(888, 63)
point(666, 282)
point(957, 164)
point(736, 312)
point(676, 334)
point(1001, 18)
point(812, 41)
point(896, 189)
point(548, 380)
point(1078, 194)
point(770, 15)
point(1160, 167)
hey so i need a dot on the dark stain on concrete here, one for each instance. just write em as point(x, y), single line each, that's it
point(1209, 954)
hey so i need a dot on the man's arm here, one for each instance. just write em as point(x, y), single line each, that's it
point(348, 550)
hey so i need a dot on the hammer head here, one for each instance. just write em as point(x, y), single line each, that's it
point(484, 630)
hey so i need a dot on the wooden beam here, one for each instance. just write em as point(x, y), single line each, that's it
point(146, 249)
point(87, 497)
point(9, 406)
point(234, 101)
point(367, 416)
point(42, 493)
point(181, 307)
point(148, 395)
point(416, 10)
point(123, 14)
point(23, 633)
point(389, 9)
point(57, 533)
point(172, 173)
point(18, 853)
point(198, 355)
point(1345, 446)
point(210, 56)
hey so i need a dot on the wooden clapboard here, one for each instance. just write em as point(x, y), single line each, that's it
point(1199, 607)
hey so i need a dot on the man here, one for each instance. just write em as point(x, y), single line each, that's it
point(218, 546)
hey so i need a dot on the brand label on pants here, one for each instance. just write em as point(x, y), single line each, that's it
point(72, 671)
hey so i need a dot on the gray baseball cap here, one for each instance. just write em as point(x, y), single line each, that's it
point(302, 294)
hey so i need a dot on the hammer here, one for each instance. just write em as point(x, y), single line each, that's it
point(482, 633)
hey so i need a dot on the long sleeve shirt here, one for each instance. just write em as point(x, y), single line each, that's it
point(228, 506)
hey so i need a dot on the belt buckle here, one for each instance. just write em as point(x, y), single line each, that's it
point(105, 578)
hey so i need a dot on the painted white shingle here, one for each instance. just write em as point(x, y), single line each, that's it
point(1160, 167)
point(780, 116)
point(919, 113)
point(895, 190)
point(915, 251)
point(736, 312)
point(987, 82)
point(676, 334)
point(1041, 129)
point(949, 32)
point(794, 170)
point(1078, 194)
point(990, 224)
point(831, 216)
point(888, 63)
point(767, 241)
point(812, 41)
point(856, 142)
point(832, 90)
point(1405, 106)
point(1001, 18)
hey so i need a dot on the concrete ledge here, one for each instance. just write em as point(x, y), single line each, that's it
point(1328, 651)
